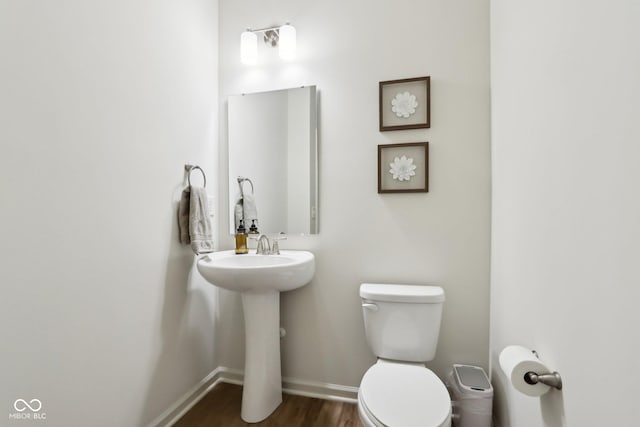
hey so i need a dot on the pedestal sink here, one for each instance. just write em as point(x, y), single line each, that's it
point(259, 279)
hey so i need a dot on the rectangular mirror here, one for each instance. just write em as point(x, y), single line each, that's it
point(273, 143)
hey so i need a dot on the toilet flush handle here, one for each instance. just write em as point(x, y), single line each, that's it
point(370, 306)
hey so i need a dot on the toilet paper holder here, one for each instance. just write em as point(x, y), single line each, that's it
point(552, 380)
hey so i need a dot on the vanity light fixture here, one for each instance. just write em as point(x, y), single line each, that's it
point(248, 48)
point(284, 37)
point(287, 48)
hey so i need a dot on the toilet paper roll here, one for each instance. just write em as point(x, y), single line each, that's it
point(515, 362)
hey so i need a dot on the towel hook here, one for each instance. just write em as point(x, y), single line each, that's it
point(190, 168)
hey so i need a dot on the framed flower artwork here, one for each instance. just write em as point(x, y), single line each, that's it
point(405, 104)
point(403, 168)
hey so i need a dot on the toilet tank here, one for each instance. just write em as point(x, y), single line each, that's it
point(402, 322)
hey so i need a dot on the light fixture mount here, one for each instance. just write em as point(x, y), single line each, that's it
point(272, 36)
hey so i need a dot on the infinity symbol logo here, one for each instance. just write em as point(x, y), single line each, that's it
point(21, 405)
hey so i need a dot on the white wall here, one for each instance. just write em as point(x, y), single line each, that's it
point(441, 237)
point(565, 100)
point(101, 105)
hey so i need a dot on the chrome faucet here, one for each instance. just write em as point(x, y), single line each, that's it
point(268, 246)
point(264, 246)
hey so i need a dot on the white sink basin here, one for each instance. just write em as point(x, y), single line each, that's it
point(259, 279)
point(258, 273)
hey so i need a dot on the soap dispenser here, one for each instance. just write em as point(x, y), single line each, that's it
point(253, 229)
point(241, 239)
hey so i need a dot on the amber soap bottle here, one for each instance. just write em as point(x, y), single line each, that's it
point(241, 239)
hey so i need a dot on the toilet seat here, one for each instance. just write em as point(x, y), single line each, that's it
point(399, 395)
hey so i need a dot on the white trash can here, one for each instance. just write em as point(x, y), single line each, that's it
point(471, 396)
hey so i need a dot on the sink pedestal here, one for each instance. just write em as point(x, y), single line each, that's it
point(262, 390)
point(259, 279)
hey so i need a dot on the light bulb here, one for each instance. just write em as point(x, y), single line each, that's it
point(248, 48)
point(287, 42)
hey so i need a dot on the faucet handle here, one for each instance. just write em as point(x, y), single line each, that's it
point(275, 247)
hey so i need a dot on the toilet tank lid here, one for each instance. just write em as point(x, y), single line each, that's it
point(402, 293)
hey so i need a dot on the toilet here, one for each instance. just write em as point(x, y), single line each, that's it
point(402, 324)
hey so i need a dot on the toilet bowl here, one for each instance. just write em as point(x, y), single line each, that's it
point(403, 395)
point(402, 324)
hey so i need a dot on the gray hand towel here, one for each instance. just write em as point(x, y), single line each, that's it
point(249, 208)
point(237, 211)
point(200, 229)
point(245, 205)
point(183, 216)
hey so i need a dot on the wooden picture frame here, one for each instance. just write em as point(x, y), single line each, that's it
point(405, 104)
point(403, 168)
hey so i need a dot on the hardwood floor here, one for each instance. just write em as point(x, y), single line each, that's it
point(221, 408)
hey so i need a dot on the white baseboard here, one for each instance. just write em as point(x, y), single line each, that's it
point(294, 386)
point(174, 412)
point(320, 390)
